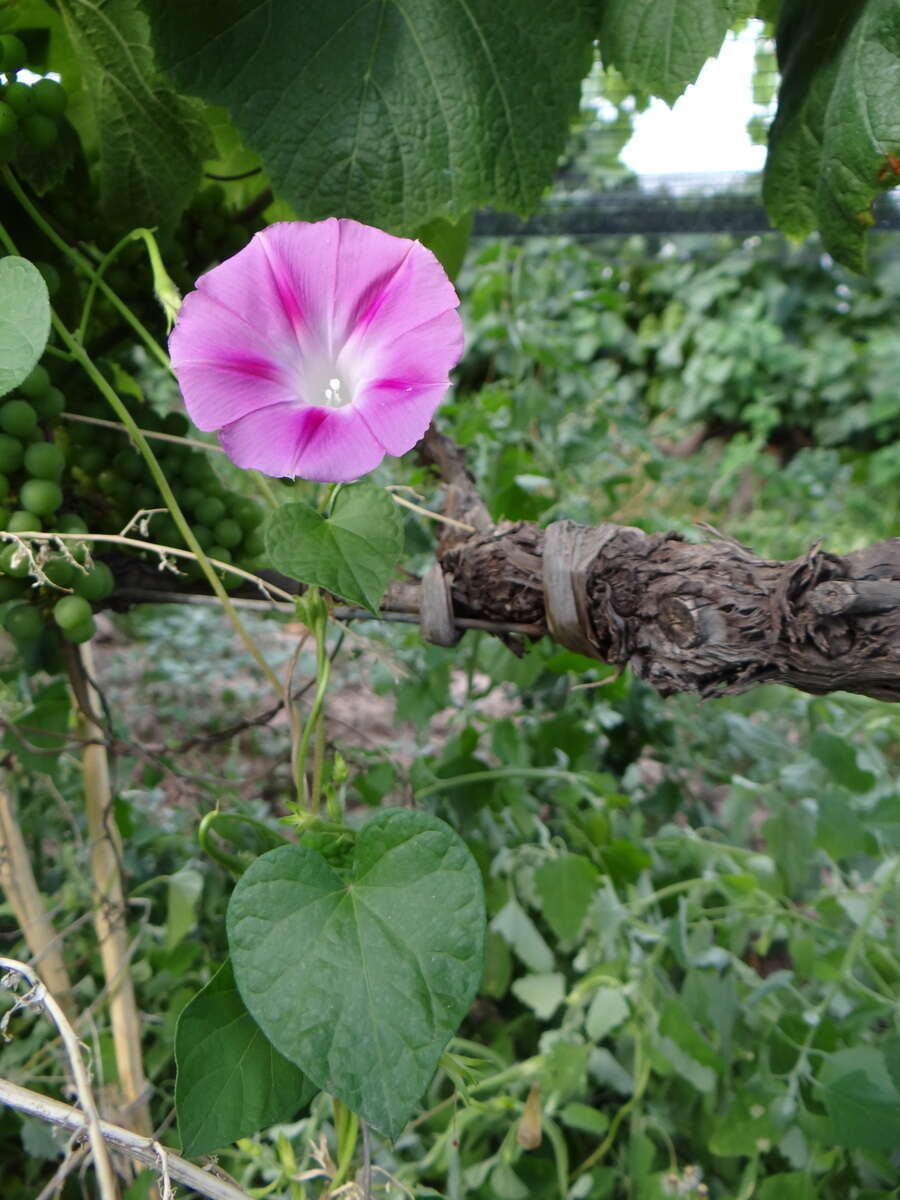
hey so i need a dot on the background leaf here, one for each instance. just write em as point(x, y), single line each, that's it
point(861, 1099)
point(661, 47)
point(231, 1081)
point(150, 140)
point(24, 320)
point(361, 981)
point(836, 136)
point(390, 113)
point(351, 553)
point(566, 886)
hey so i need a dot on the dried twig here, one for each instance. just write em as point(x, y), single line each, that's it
point(39, 995)
point(142, 1149)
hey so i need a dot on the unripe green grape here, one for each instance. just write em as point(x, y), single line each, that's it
point(254, 543)
point(61, 572)
point(82, 435)
point(146, 497)
point(210, 510)
point(228, 533)
point(13, 54)
point(190, 498)
point(17, 418)
point(4, 487)
point(17, 570)
point(204, 535)
point(23, 622)
point(81, 633)
point(222, 553)
point(71, 523)
point(50, 405)
point(9, 122)
point(23, 521)
point(49, 97)
point(12, 452)
point(97, 584)
point(247, 513)
point(19, 98)
point(91, 460)
point(164, 529)
point(129, 464)
point(37, 383)
point(11, 589)
point(71, 611)
point(40, 131)
point(44, 460)
point(41, 496)
point(7, 149)
point(5, 514)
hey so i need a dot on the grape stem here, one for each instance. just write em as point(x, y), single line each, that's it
point(85, 267)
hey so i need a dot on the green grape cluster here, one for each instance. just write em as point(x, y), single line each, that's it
point(209, 232)
point(30, 111)
point(112, 483)
point(35, 494)
point(72, 476)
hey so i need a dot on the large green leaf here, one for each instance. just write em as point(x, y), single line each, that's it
point(835, 141)
point(661, 47)
point(361, 980)
point(24, 320)
point(151, 141)
point(231, 1081)
point(392, 113)
point(351, 553)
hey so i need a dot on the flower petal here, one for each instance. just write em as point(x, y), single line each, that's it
point(398, 416)
point(326, 445)
point(224, 368)
point(386, 286)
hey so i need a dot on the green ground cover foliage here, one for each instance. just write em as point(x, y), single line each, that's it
point(691, 907)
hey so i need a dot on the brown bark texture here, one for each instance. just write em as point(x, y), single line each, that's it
point(707, 618)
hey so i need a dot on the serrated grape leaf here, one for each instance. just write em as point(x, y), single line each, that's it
point(835, 140)
point(661, 47)
point(351, 553)
point(24, 320)
point(391, 113)
point(231, 1081)
point(361, 980)
point(151, 141)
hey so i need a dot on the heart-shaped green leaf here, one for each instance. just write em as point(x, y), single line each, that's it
point(24, 320)
point(361, 980)
point(231, 1080)
point(351, 553)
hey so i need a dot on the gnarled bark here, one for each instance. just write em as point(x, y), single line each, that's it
point(709, 618)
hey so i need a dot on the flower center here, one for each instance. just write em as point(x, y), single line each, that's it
point(333, 396)
point(326, 385)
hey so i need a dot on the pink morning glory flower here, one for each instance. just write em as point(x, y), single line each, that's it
point(318, 348)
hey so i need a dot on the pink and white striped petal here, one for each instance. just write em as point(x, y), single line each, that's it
point(318, 348)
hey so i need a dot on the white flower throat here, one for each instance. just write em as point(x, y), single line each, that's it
point(325, 384)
